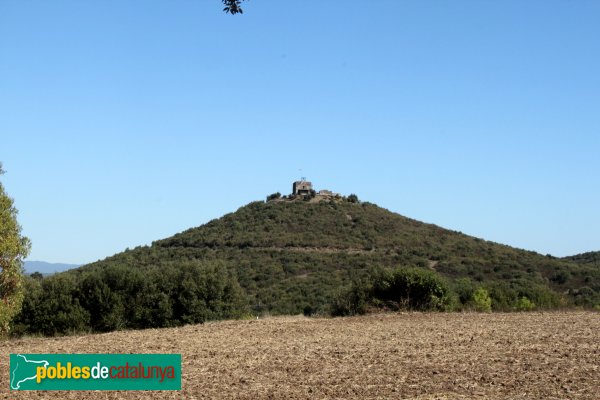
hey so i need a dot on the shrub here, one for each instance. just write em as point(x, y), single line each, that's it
point(308, 311)
point(412, 288)
point(482, 300)
point(351, 301)
point(352, 198)
point(561, 277)
point(584, 296)
point(464, 289)
point(524, 304)
point(402, 288)
point(273, 196)
point(540, 295)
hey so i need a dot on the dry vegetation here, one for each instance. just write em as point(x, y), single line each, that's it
point(423, 356)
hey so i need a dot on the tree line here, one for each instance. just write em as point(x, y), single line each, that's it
point(119, 297)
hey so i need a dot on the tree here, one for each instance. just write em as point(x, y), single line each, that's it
point(233, 6)
point(353, 198)
point(13, 248)
point(274, 196)
point(482, 300)
point(37, 276)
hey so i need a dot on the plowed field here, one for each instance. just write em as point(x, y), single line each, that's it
point(411, 355)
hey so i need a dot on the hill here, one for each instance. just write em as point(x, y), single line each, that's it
point(294, 256)
point(590, 258)
point(47, 268)
point(293, 247)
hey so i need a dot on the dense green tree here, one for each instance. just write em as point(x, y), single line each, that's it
point(274, 196)
point(37, 275)
point(13, 248)
point(104, 304)
point(52, 307)
point(353, 198)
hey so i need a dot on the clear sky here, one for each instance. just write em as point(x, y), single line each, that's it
point(122, 122)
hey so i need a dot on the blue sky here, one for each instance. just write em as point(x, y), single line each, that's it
point(122, 122)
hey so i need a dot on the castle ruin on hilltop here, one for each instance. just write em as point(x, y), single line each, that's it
point(305, 188)
point(301, 187)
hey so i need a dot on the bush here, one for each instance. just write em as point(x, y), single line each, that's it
point(584, 296)
point(482, 300)
point(308, 311)
point(524, 304)
point(352, 198)
point(273, 196)
point(412, 288)
point(352, 301)
point(561, 277)
point(506, 295)
point(464, 289)
point(540, 295)
point(402, 288)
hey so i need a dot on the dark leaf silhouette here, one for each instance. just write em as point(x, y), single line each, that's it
point(233, 6)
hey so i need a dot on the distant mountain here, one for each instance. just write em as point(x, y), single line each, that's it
point(47, 268)
point(589, 258)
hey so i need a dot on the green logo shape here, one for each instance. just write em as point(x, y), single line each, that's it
point(95, 372)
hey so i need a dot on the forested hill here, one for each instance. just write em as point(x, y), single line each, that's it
point(294, 256)
point(590, 258)
point(289, 254)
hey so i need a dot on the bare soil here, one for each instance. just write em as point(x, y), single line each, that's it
point(387, 356)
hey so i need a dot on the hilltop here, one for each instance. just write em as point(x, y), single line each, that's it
point(590, 258)
point(295, 255)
